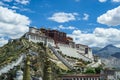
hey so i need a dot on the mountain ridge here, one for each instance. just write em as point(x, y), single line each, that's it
point(107, 51)
point(110, 55)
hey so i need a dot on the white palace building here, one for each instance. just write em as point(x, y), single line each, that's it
point(59, 41)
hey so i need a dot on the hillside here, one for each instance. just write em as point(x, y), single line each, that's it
point(107, 51)
point(117, 55)
point(39, 60)
point(95, 49)
point(110, 56)
point(16, 55)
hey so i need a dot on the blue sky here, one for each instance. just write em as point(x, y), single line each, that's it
point(43, 9)
point(89, 22)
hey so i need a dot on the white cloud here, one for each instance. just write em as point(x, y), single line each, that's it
point(76, 32)
point(86, 16)
point(7, 0)
point(102, 1)
point(111, 17)
point(77, 0)
point(3, 4)
point(71, 27)
point(10, 17)
point(75, 14)
point(115, 0)
point(67, 28)
point(21, 9)
point(24, 2)
point(12, 24)
point(62, 17)
point(100, 37)
point(15, 7)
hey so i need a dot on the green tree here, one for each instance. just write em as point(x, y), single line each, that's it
point(98, 70)
point(90, 71)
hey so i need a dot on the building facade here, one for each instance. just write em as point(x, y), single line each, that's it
point(112, 74)
point(83, 77)
point(61, 41)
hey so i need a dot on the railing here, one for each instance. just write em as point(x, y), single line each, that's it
point(65, 62)
point(84, 57)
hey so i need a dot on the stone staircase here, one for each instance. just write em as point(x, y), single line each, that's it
point(65, 62)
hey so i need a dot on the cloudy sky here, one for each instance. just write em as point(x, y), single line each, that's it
point(91, 22)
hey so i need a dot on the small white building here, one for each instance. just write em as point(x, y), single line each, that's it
point(85, 50)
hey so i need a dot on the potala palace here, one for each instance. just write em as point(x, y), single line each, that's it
point(59, 41)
